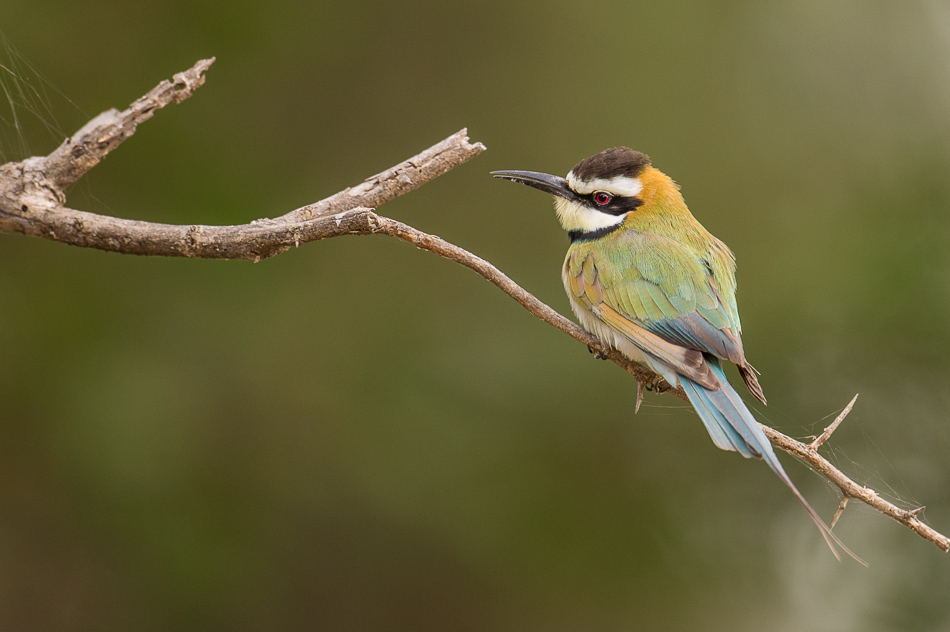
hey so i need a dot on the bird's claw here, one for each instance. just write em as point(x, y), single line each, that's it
point(597, 354)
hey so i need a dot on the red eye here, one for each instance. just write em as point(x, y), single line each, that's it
point(602, 198)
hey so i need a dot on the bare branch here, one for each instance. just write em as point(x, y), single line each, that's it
point(33, 193)
point(850, 489)
point(33, 196)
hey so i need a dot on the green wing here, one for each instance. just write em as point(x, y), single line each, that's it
point(663, 286)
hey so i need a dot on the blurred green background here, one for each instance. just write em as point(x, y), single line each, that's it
point(357, 435)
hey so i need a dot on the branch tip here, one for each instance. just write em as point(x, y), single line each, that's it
point(824, 436)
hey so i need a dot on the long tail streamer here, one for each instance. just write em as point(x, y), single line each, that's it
point(732, 427)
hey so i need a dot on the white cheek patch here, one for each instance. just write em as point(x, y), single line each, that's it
point(620, 185)
point(577, 216)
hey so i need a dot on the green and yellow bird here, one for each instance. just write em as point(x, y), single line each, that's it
point(647, 279)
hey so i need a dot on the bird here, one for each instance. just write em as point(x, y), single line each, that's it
point(647, 279)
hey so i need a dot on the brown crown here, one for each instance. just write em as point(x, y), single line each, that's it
point(610, 163)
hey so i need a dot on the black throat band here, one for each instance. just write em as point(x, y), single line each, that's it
point(580, 235)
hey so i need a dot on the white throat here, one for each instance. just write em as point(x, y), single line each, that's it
point(577, 216)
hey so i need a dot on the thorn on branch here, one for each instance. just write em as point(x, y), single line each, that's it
point(913, 513)
point(839, 511)
point(824, 436)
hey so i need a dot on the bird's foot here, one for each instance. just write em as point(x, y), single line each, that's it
point(597, 354)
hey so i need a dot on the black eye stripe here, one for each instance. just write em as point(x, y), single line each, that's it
point(618, 205)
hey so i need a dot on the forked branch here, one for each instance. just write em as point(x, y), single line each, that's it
point(33, 198)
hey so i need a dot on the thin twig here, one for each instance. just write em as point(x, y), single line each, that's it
point(839, 511)
point(33, 196)
point(824, 436)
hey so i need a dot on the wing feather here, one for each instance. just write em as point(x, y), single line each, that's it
point(686, 362)
point(652, 311)
point(661, 300)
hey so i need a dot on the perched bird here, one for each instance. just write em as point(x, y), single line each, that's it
point(647, 279)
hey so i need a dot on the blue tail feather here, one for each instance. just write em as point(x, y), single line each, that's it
point(728, 421)
point(723, 433)
point(732, 427)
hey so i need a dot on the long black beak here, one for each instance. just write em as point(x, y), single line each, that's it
point(554, 185)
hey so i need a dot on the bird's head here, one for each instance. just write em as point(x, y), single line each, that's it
point(599, 193)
